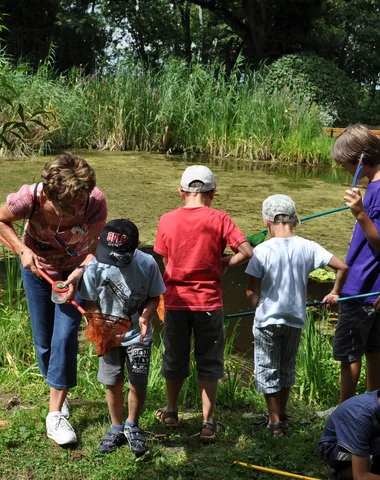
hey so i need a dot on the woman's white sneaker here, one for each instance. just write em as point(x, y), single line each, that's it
point(59, 429)
point(65, 410)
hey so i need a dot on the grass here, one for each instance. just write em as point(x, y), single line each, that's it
point(27, 453)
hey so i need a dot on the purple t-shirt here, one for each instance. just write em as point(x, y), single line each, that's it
point(362, 259)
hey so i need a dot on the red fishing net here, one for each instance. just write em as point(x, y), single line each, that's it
point(161, 309)
point(106, 332)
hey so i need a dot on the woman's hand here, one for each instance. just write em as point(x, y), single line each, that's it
point(354, 201)
point(72, 282)
point(30, 260)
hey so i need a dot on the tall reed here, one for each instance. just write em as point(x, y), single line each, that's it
point(170, 108)
point(317, 372)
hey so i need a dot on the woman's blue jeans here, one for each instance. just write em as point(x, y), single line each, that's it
point(55, 332)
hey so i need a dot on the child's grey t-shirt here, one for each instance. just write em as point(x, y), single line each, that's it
point(123, 291)
point(284, 265)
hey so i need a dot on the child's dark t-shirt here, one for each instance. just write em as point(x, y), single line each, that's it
point(354, 425)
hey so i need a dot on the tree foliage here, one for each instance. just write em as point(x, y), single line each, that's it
point(348, 32)
point(319, 81)
point(152, 30)
point(267, 28)
point(75, 27)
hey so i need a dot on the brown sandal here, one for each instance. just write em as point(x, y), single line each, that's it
point(163, 414)
point(214, 427)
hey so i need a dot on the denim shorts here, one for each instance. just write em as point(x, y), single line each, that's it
point(357, 332)
point(275, 354)
point(137, 359)
point(55, 331)
point(208, 344)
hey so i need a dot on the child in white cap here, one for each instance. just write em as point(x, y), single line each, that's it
point(278, 274)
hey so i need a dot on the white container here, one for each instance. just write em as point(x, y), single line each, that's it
point(59, 292)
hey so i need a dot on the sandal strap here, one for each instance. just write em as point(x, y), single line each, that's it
point(275, 426)
point(209, 426)
point(163, 414)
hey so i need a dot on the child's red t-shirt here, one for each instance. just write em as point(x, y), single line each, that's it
point(193, 241)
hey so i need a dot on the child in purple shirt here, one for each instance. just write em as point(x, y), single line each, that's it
point(358, 329)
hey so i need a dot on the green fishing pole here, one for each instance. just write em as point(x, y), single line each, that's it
point(256, 238)
point(311, 304)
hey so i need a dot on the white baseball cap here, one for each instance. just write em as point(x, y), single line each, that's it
point(279, 205)
point(198, 173)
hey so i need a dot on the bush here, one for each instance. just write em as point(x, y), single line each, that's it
point(320, 81)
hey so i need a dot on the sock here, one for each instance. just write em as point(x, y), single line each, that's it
point(131, 424)
point(118, 428)
point(54, 414)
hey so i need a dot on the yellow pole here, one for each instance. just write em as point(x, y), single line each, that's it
point(276, 472)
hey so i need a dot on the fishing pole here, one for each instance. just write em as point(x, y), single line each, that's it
point(255, 238)
point(358, 170)
point(311, 304)
point(276, 472)
point(44, 275)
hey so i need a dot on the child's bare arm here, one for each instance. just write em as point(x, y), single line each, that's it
point(360, 469)
point(341, 270)
point(354, 200)
point(243, 254)
point(253, 291)
point(149, 308)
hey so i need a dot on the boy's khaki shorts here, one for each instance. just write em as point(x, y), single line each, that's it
point(208, 344)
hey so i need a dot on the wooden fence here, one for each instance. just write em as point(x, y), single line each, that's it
point(335, 132)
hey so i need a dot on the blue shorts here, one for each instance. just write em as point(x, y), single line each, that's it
point(357, 332)
point(339, 458)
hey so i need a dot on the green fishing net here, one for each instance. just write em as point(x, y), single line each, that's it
point(256, 238)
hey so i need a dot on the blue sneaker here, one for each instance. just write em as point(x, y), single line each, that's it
point(136, 440)
point(112, 440)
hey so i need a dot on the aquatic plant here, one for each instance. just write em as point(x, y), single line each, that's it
point(317, 372)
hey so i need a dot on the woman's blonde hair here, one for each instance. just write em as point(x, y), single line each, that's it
point(354, 141)
point(67, 176)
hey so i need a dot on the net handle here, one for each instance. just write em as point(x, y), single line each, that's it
point(44, 275)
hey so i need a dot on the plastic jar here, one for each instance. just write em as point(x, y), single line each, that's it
point(59, 292)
